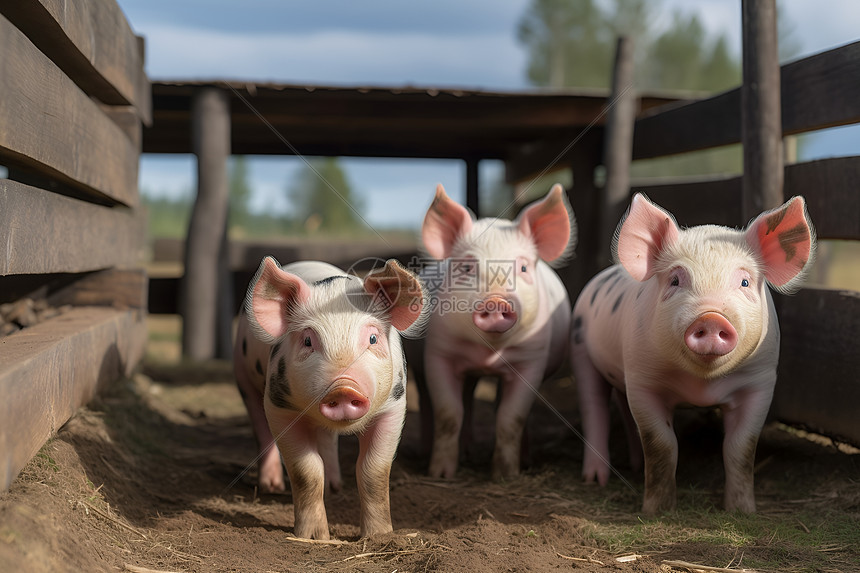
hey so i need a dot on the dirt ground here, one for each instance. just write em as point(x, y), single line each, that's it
point(140, 481)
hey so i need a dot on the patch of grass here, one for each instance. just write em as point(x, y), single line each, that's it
point(47, 461)
point(786, 541)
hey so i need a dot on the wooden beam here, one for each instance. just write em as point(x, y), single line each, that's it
point(527, 161)
point(830, 187)
point(92, 43)
point(819, 366)
point(43, 232)
point(618, 146)
point(832, 76)
point(120, 289)
point(713, 201)
point(385, 122)
point(51, 369)
point(199, 297)
point(49, 125)
point(761, 111)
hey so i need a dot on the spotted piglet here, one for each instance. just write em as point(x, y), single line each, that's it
point(686, 317)
point(318, 354)
point(498, 310)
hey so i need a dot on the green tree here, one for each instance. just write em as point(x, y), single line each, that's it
point(572, 44)
point(167, 217)
point(683, 58)
point(323, 198)
point(566, 43)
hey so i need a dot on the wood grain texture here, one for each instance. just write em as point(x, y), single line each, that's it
point(120, 289)
point(761, 118)
point(48, 124)
point(819, 368)
point(831, 188)
point(618, 145)
point(206, 228)
point(715, 201)
point(42, 232)
point(832, 77)
point(49, 370)
point(92, 43)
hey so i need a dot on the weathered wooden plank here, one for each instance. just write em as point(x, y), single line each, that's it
point(819, 367)
point(700, 201)
point(120, 289)
point(92, 43)
point(828, 185)
point(832, 191)
point(49, 370)
point(704, 124)
point(43, 232)
point(48, 124)
point(822, 90)
point(832, 77)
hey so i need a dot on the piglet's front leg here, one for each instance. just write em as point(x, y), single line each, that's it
point(518, 394)
point(660, 446)
point(743, 419)
point(306, 470)
point(446, 393)
point(377, 447)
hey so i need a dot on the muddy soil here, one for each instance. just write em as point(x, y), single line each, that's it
point(152, 477)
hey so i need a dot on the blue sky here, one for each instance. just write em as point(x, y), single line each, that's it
point(448, 43)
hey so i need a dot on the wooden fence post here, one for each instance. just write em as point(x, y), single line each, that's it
point(473, 201)
point(199, 294)
point(761, 112)
point(584, 198)
point(618, 146)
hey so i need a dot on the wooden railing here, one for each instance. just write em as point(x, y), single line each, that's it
point(73, 96)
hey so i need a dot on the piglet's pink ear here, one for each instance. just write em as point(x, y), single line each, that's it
point(784, 239)
point(399, 293)
point(643, 234)
point(445, 222)
point(549, 222)
point(271, 295)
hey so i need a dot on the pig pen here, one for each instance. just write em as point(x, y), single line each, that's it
point(140, 481)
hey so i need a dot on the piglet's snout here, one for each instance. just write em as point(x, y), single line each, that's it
point(711, 335)
point(344, 402)
point(494, 314)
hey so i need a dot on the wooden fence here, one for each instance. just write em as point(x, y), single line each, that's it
point(819, 371)
point(73, 96)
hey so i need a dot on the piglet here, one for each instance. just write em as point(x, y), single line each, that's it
point(686, 317)
point(498, 309)
point(318, 354)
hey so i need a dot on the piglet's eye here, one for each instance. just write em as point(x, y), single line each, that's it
point(373, 339)
point(523, 269)
point(307, 341)
point(675, 281)
point(745, 282)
